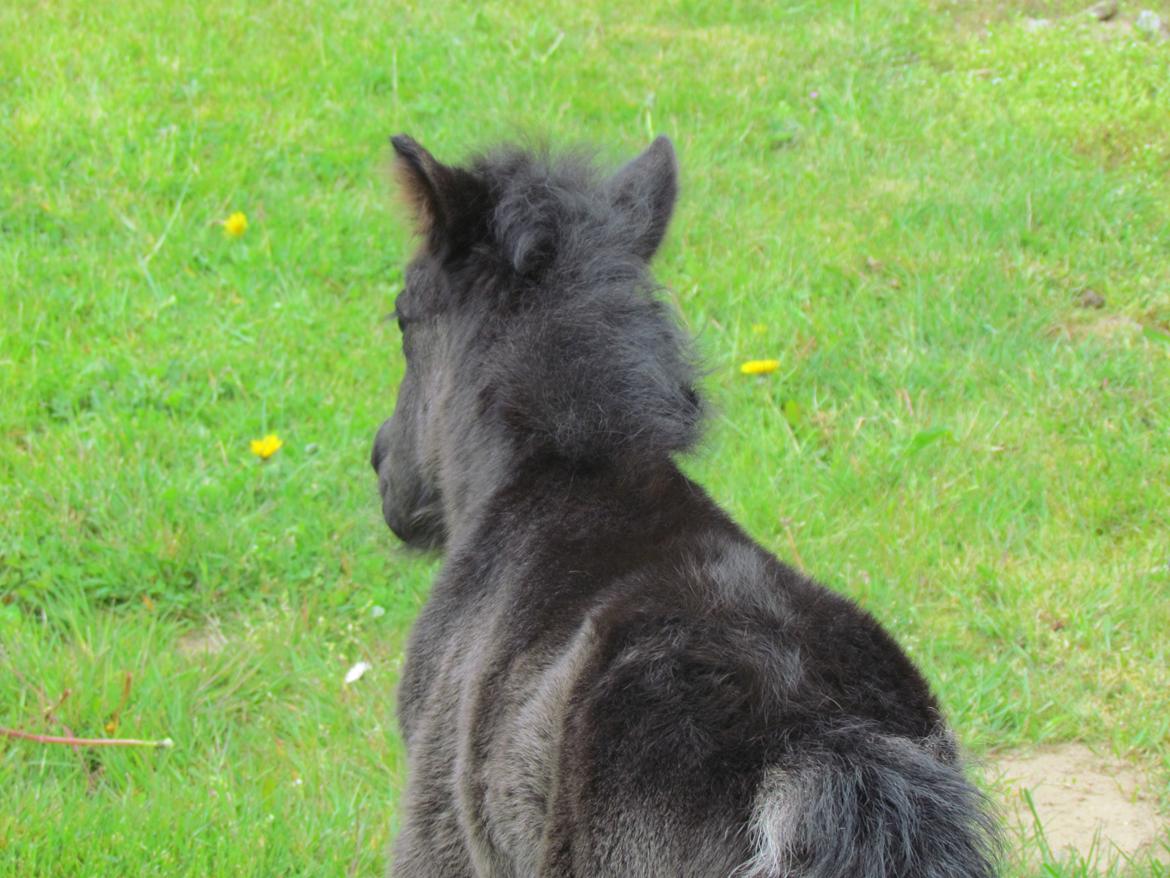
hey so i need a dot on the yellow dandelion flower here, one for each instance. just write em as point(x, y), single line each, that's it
point(266, 447)
point(759, 367)
point(235, 225)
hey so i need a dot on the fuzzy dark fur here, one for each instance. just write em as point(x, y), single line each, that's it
point(610, 678)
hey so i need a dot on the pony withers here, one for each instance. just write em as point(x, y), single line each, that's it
point(610, 678)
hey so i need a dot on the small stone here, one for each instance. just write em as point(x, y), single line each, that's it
point(1090, 298)
point(1148, 22)
point(1103, 11)
point(1031, 25)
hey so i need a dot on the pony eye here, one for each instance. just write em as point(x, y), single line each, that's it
point(398, 317)
point(397, 314)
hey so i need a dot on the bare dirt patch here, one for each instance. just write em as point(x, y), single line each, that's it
point(1111, 327)
point(201, 641)
point(977, 16)
point(1094, 807)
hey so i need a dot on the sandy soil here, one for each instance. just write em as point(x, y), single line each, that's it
point(1094, 806)
point(204, 641)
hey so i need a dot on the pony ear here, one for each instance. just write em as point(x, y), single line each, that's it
point(645, 191)
point(425, 183)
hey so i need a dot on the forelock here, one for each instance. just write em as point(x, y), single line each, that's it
point(549, 215)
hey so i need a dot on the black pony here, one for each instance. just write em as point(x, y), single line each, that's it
point(610, 678)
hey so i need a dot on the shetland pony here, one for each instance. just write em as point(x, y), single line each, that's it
point(610, 678)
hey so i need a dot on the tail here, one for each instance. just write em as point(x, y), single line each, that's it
point(861, 804)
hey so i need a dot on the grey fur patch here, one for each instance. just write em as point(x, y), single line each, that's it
point(525, 760)
point(869, 805)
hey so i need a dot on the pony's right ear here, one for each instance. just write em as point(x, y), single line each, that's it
point(645, 191)
point(425, 183)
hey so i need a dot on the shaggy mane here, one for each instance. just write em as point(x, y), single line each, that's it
point(592, 365)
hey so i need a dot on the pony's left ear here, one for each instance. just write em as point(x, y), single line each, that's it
point(425, 183)
point(645, 191)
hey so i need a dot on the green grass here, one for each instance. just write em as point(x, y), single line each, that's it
point(901, 206)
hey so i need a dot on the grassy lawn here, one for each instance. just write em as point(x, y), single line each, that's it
point(951, 228)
